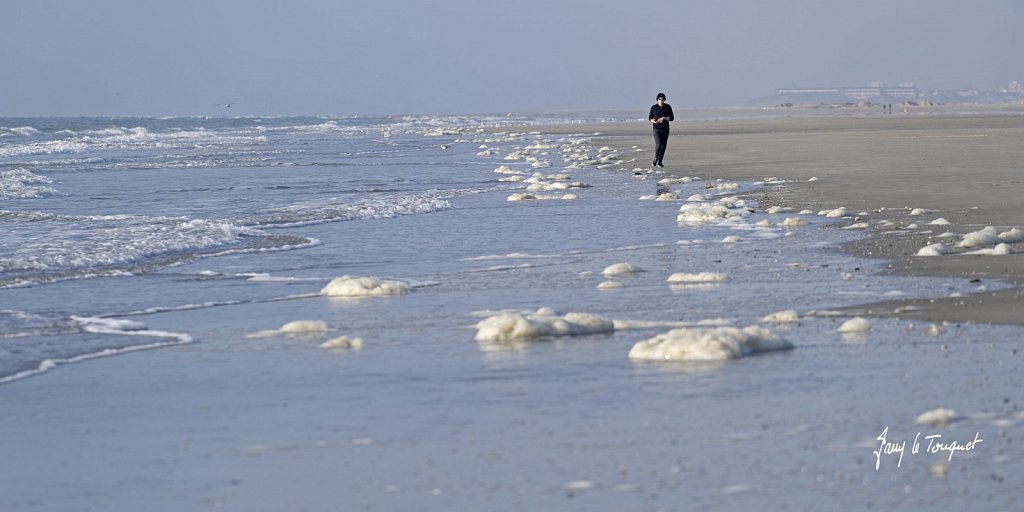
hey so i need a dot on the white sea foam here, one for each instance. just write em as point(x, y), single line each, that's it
point(836, 213)
point(704, 212)
point(267, 278)
point(504, 169)
point(295, 328)
point(514, 255)
point(855, 325)
point(610, 285)
point(620, 269)
point(343, 343)
point(939, 222)
point(698, 278)
point(782, 317)
point(999, 250)
point(356, 287)
point(986, 236)
point(1012, 236)
point(674, 181)
point(507, 327)
point(938, 417)
point(793, 221)
point(718, 344)
point(939, 249)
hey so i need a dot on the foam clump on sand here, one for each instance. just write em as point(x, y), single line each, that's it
point(697, 212)
point(937, 417)
point(855, 325)
point(620, 269)
point(674, 181)
point(504, 169)
point(295, 328)
point(793, 221)
point(718, 344)
point(506, 327)
point(788, 316)
point(939, 249)
point(701, 277)
point(1012, 236)
point(343, 343)
point(346, 286)
point(999, 250)
point(939, 222)
point(609, 285)
point(980, 238)
point(838, 212)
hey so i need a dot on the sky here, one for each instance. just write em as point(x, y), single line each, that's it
point(344, 57)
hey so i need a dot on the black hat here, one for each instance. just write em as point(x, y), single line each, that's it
point(660, 96)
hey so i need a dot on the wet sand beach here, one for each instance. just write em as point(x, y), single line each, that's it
point(499, 371)
point(965, 165)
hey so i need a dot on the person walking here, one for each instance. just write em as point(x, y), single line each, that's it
point(661, 114)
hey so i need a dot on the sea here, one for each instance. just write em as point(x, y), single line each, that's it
point(484, 283)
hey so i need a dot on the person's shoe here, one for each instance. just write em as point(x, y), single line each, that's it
point(661, 164)
point(654, 163)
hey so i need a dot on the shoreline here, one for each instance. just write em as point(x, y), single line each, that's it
point(965, 168)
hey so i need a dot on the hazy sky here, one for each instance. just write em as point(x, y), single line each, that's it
point(183, 57)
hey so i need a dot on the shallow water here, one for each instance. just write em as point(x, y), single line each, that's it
point(203, 232)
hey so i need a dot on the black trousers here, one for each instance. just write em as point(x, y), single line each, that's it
point(660, 143)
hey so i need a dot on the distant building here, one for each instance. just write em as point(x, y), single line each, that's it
point(905, 91)
point(1015, 87)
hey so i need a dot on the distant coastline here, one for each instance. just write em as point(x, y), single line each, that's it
point(905, 93)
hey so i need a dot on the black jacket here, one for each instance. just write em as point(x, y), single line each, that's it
point(662, 111)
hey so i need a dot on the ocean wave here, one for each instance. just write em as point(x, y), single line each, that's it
point(21, 183)
point(104, 326)
point(303, 215)
point(121, 138)
point(43, 246)
point(18, 131)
